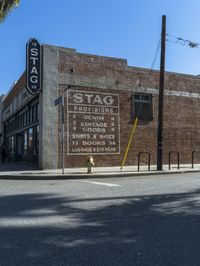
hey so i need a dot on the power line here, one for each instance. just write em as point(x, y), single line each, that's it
point(176, 40)
point(156, 54)
point(181, 41)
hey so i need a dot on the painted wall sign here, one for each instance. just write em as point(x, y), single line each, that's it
point(93, 123)
point(33, 66)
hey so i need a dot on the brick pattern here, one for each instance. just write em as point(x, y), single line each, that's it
point(181, 114)
point(110, 75)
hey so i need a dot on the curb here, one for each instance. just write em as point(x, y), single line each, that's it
point(33, 176)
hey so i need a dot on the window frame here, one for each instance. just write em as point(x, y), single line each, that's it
point(145, 101)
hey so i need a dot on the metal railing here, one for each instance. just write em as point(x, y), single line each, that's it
point(171, 152)
point(149, 158)
point(193, 152)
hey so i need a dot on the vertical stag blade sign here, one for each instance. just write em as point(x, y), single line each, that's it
point(33, 66)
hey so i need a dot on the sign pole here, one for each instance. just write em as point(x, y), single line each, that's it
point(63, 123)
point(61, 101)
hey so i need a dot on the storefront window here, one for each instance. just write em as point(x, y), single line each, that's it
point(36, 143)
point(30, 139)
point(25, 141)
point(24, 114)
point(12, 144)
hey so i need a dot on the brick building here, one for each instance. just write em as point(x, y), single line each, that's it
point(102, 97)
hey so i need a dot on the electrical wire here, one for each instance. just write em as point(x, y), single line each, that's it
point(181, 41)
point(176, 40)
point(156, 54)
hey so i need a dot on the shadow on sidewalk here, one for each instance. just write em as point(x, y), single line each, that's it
point(11, 166)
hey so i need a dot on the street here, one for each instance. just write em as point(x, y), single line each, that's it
point(149, 220)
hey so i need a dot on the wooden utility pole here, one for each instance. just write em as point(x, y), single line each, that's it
point(161, 99)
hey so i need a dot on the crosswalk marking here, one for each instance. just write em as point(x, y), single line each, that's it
point(102, 184)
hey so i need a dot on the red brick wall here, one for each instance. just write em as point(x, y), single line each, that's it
point(181, 114)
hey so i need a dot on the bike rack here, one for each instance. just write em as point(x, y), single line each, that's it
point(176, 152)
point(193, 152)
point(139, 154)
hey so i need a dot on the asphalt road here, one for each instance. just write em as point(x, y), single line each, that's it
point(151, 220)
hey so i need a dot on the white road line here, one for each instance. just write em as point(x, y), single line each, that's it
point(102, 184)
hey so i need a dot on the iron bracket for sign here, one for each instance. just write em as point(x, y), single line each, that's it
point(171, 152)
point(139, 155)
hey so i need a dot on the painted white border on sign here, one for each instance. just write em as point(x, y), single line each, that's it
point(70, 112)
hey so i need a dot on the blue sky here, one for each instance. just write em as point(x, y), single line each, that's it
point(127, 29)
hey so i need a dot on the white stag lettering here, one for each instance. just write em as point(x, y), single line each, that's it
point(94, 99)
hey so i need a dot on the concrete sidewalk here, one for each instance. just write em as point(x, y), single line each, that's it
point(26, 171)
